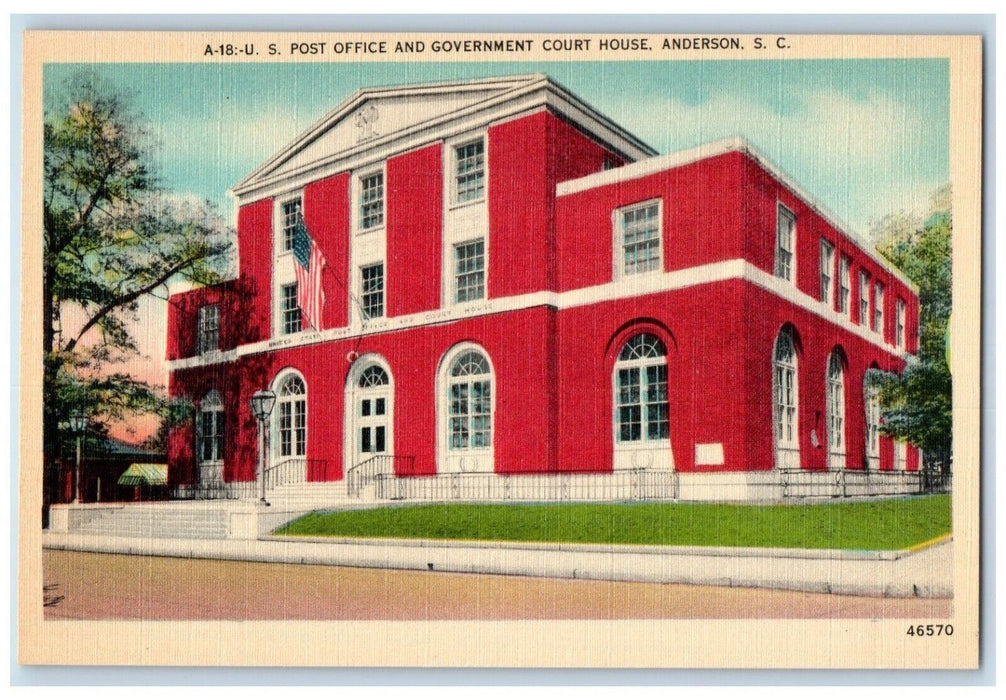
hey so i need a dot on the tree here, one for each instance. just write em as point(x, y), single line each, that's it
point(916, 406)
point(111, 236)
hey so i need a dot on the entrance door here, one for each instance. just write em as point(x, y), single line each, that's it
point(372, 415)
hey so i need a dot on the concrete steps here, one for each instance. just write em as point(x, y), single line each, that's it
point(311, 496)
point(160, 521)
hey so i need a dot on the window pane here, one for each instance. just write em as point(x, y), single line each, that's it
point(372, 201)
point(469, 270)
point(291, 213)
point(372, 288)
point(469, 172)
point(640, 239)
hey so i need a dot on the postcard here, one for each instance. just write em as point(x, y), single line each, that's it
point(500, 350)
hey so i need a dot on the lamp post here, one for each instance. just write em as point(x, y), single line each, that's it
point(78, 424)
point(261, 406)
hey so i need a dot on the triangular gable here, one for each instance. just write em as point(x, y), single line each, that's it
point(375, 114)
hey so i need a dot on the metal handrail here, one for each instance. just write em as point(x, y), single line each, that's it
point(370, 470)
point(289, 471)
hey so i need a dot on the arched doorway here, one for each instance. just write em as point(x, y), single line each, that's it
point(370, 401)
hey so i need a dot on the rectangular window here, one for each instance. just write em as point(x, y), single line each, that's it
point(469, 271)
point(878, 308)
point(211, 435)
point(372, 287)
point(469, 172)
point(864, 298)
point(899, 328)
point(209, 328)
point(784, 242)
point(290, 312)
point(372, 201)
point(844, 285)
point(827, 270)
point(640, 238)
point(292, 212)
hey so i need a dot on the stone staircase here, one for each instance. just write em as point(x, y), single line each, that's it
point(161, 520)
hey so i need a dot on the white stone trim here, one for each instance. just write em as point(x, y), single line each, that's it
point(657, 164)
point(629, 288)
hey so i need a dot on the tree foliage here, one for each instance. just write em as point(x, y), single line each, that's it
point(916, 406)
point(111, 236)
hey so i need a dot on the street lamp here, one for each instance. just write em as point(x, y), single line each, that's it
point(261, 406)
point(78, 424)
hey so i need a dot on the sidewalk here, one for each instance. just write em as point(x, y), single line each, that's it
point(923, 573)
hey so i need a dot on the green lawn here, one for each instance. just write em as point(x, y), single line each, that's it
point(886, 524)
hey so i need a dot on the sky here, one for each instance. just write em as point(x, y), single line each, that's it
point(864, 137)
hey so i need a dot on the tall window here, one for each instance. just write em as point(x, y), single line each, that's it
point(289, 311)
point(864, 298)
point(292, 211)
point(784, 243)
point(827, 270)
point(469, 271)
point(835, 399)
point(469, 402)
point(899, 328)
point(844, 285)
point(209, 328)
point(878, 308)
point(211, 428)
point(639, 238)
point(292, 417)
point(470, 172)
point(641, 410)
point(372, 201)
point(786, 401)
point(372, 286)
point(871, 401)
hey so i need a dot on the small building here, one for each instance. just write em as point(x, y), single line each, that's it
point(505, 282)
point(103, 462)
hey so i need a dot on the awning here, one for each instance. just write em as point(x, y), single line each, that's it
point(139, 474)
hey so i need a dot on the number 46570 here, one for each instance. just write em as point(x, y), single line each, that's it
point(930, 630)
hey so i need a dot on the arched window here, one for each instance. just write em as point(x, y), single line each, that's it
point(469, 402)
point(835, 411)
point(373, 376)
point(211, 428)
point(641, 411)
point(786, 401)
point(291, 417)
point(871, 405)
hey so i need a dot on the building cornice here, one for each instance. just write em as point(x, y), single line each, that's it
point(651, 166)
point(628, 288)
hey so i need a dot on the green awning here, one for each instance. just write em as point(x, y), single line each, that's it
point(140, 474)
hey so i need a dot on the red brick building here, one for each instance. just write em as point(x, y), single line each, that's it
point(514, 284)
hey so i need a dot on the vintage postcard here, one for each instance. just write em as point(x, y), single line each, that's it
point(524, 350)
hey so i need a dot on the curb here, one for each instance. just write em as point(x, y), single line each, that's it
point(859, 576)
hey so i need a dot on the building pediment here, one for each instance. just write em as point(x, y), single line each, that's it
point(374, 122)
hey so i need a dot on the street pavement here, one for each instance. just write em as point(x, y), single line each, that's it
point(96, 586)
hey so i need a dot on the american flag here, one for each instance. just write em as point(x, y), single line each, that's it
point(310, 261)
